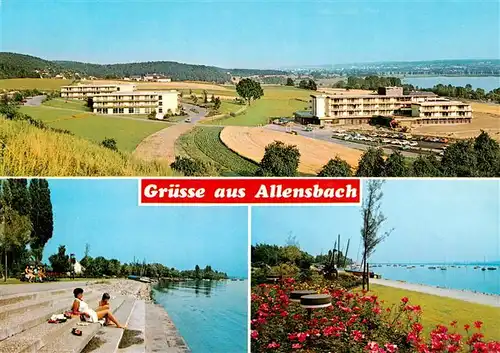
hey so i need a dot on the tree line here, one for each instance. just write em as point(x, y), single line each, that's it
point(13, 65)
point(478, 157)
point(26, 222)
point(97, 267)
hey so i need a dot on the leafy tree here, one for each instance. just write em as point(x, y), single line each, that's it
point(336, 167)
point(197, 273)
point(17, 97)
point(190, 167)
point(371, 163)
point(279, 160)
point(460, 160)
point(217, 103)
point(90, 103)
point(21, 201)
point(425, 166)
point(60, 261)
point(41, 214)
point(308, 84)
point(373, 218)
point(205, 96)
point(487, 155)
point(109, 143)
point(249, 89)
point(15, 228)
point(396, 166)
point(289, 82)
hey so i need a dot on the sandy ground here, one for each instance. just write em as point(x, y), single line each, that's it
point(161, 144)
point(251, 143)
point(479, 298)
point(485, 117)
point(163, 85)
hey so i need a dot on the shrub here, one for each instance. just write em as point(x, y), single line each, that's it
point(109, 143)
point(355, 323)
point(190, 167)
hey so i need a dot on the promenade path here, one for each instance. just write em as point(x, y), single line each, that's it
point(478, 298)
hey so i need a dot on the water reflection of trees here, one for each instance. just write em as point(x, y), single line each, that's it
point(196, 287)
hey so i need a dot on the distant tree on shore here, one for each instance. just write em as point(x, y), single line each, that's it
point(279, 160)
point(249, 90)
point(336, 167)
point(60, 260)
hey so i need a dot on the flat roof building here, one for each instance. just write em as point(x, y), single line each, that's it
point(418, 107)
point(137, 102)
point(82, 91)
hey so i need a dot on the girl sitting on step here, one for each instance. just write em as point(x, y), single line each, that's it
point(81, 308)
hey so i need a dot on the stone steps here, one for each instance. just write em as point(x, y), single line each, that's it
point(137, 323)
point(110, 336)
point(66, 342)
point(16, 298)
point(30, 304)
point(30, 331)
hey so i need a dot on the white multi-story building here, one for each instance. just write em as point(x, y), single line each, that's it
point(82, 91)
point(137, 102)
point(418, 107)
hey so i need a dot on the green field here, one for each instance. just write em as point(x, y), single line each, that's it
point(440, 310)
point(127, 132)
point(32, 83)
point(278, 101)
point(66, 104)
point(203, 143)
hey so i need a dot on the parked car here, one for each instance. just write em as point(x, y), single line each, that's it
point(187, 120)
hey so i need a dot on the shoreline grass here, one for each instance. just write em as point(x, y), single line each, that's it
point(442, 310)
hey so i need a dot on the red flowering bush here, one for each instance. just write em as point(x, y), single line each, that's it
point(355, 323)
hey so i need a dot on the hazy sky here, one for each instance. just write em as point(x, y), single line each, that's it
point(433, 221)
point(104, 213)
point(251, 33)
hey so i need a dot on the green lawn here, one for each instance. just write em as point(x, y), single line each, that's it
point(127, 133)
point(66, 104)
point(32, 83)
point(204, 143)
point(440, 310)
point(278, 101)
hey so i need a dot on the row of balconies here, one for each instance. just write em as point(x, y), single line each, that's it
point(125, 104)
point(126, 98)
point(445, 108)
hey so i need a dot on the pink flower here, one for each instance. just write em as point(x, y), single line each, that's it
point(254, 334)
point(273, 345)
point(404, 300)
point(296, 346)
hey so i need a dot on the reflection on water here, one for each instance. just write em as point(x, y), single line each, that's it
point(210, 315)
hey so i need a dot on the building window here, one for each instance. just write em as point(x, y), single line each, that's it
point(160, 110)
point(131, 110)
point(160, 103)
point(121, 110)
point(147, 110)
point(115, 110)
point(159, 98)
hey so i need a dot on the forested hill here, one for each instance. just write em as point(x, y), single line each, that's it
point(14, 65)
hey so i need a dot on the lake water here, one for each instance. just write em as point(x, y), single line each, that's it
point(463, 277)
point(210, 315)
point(487, 83)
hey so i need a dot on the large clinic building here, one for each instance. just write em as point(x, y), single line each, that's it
point(417, 107)
point(82, 91)
point(137, 102)
point(124, 99)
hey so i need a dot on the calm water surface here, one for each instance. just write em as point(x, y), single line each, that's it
point(210, 315)
point(487, 83)
point(462, 277)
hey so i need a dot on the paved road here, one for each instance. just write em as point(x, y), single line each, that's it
point(326, 135)
point(9, 289)
point(35, 101)
point(478, 298)
point(195, 117)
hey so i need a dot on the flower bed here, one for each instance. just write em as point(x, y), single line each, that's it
point(355, 323)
